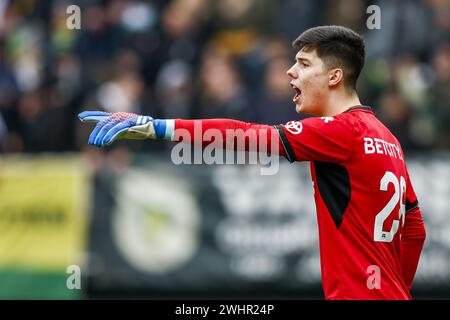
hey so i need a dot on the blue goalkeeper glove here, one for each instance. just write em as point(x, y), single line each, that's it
point(121, 125)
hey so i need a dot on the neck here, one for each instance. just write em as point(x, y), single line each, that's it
point(339, 102)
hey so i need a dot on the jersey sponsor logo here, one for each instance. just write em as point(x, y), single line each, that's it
point(379, 146)
point(294, 127)
point(327, 119)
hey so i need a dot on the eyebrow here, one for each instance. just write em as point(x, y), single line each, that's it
point(302, 59)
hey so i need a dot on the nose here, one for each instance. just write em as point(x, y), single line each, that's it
point(291, 73)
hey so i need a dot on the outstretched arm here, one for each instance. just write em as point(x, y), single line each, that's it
point(225, 133)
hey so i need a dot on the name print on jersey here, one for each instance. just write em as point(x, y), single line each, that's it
point(379, 146)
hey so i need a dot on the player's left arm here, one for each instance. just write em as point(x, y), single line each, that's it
point(413, 235)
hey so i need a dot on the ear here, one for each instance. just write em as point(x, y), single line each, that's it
point(335, 76)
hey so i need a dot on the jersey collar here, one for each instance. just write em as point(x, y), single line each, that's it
point(359, 107)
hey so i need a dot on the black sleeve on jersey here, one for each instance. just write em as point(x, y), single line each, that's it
point(290, 154)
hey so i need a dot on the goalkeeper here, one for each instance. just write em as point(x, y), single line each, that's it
point(371, 229)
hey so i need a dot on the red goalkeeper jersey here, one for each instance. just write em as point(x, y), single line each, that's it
point(363, 197)
point(371, 231)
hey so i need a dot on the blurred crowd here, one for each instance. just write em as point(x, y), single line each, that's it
point(209, 58)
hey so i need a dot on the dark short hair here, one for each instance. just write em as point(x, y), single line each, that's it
point(337, 46)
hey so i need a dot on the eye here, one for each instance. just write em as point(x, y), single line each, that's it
point(302, 63)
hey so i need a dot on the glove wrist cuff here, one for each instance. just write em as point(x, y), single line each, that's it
point(164, 128)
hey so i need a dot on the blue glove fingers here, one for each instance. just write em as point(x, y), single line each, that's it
point(112, 133)
point(104, 130)
point(94, 132)
point(93, 116)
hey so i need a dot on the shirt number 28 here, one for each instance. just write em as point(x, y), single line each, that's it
point(399, 191)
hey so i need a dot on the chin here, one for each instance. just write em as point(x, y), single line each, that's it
point(310, 110)
point(300, 109)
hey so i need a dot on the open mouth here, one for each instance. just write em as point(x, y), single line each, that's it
point(298, 93)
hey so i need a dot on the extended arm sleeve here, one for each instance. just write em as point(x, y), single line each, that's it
point(322, 139)
point(413, 236)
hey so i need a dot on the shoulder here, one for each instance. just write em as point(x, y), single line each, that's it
point(336, 128)
point(328, 139)
point(335, 125)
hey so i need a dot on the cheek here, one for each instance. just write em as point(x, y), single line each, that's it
point(315, 82)
point(314, 93)
point(310, 77)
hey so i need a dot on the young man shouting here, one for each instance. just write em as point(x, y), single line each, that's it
point(371, 231)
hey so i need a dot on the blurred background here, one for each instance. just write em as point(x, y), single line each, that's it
point(138, 226)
